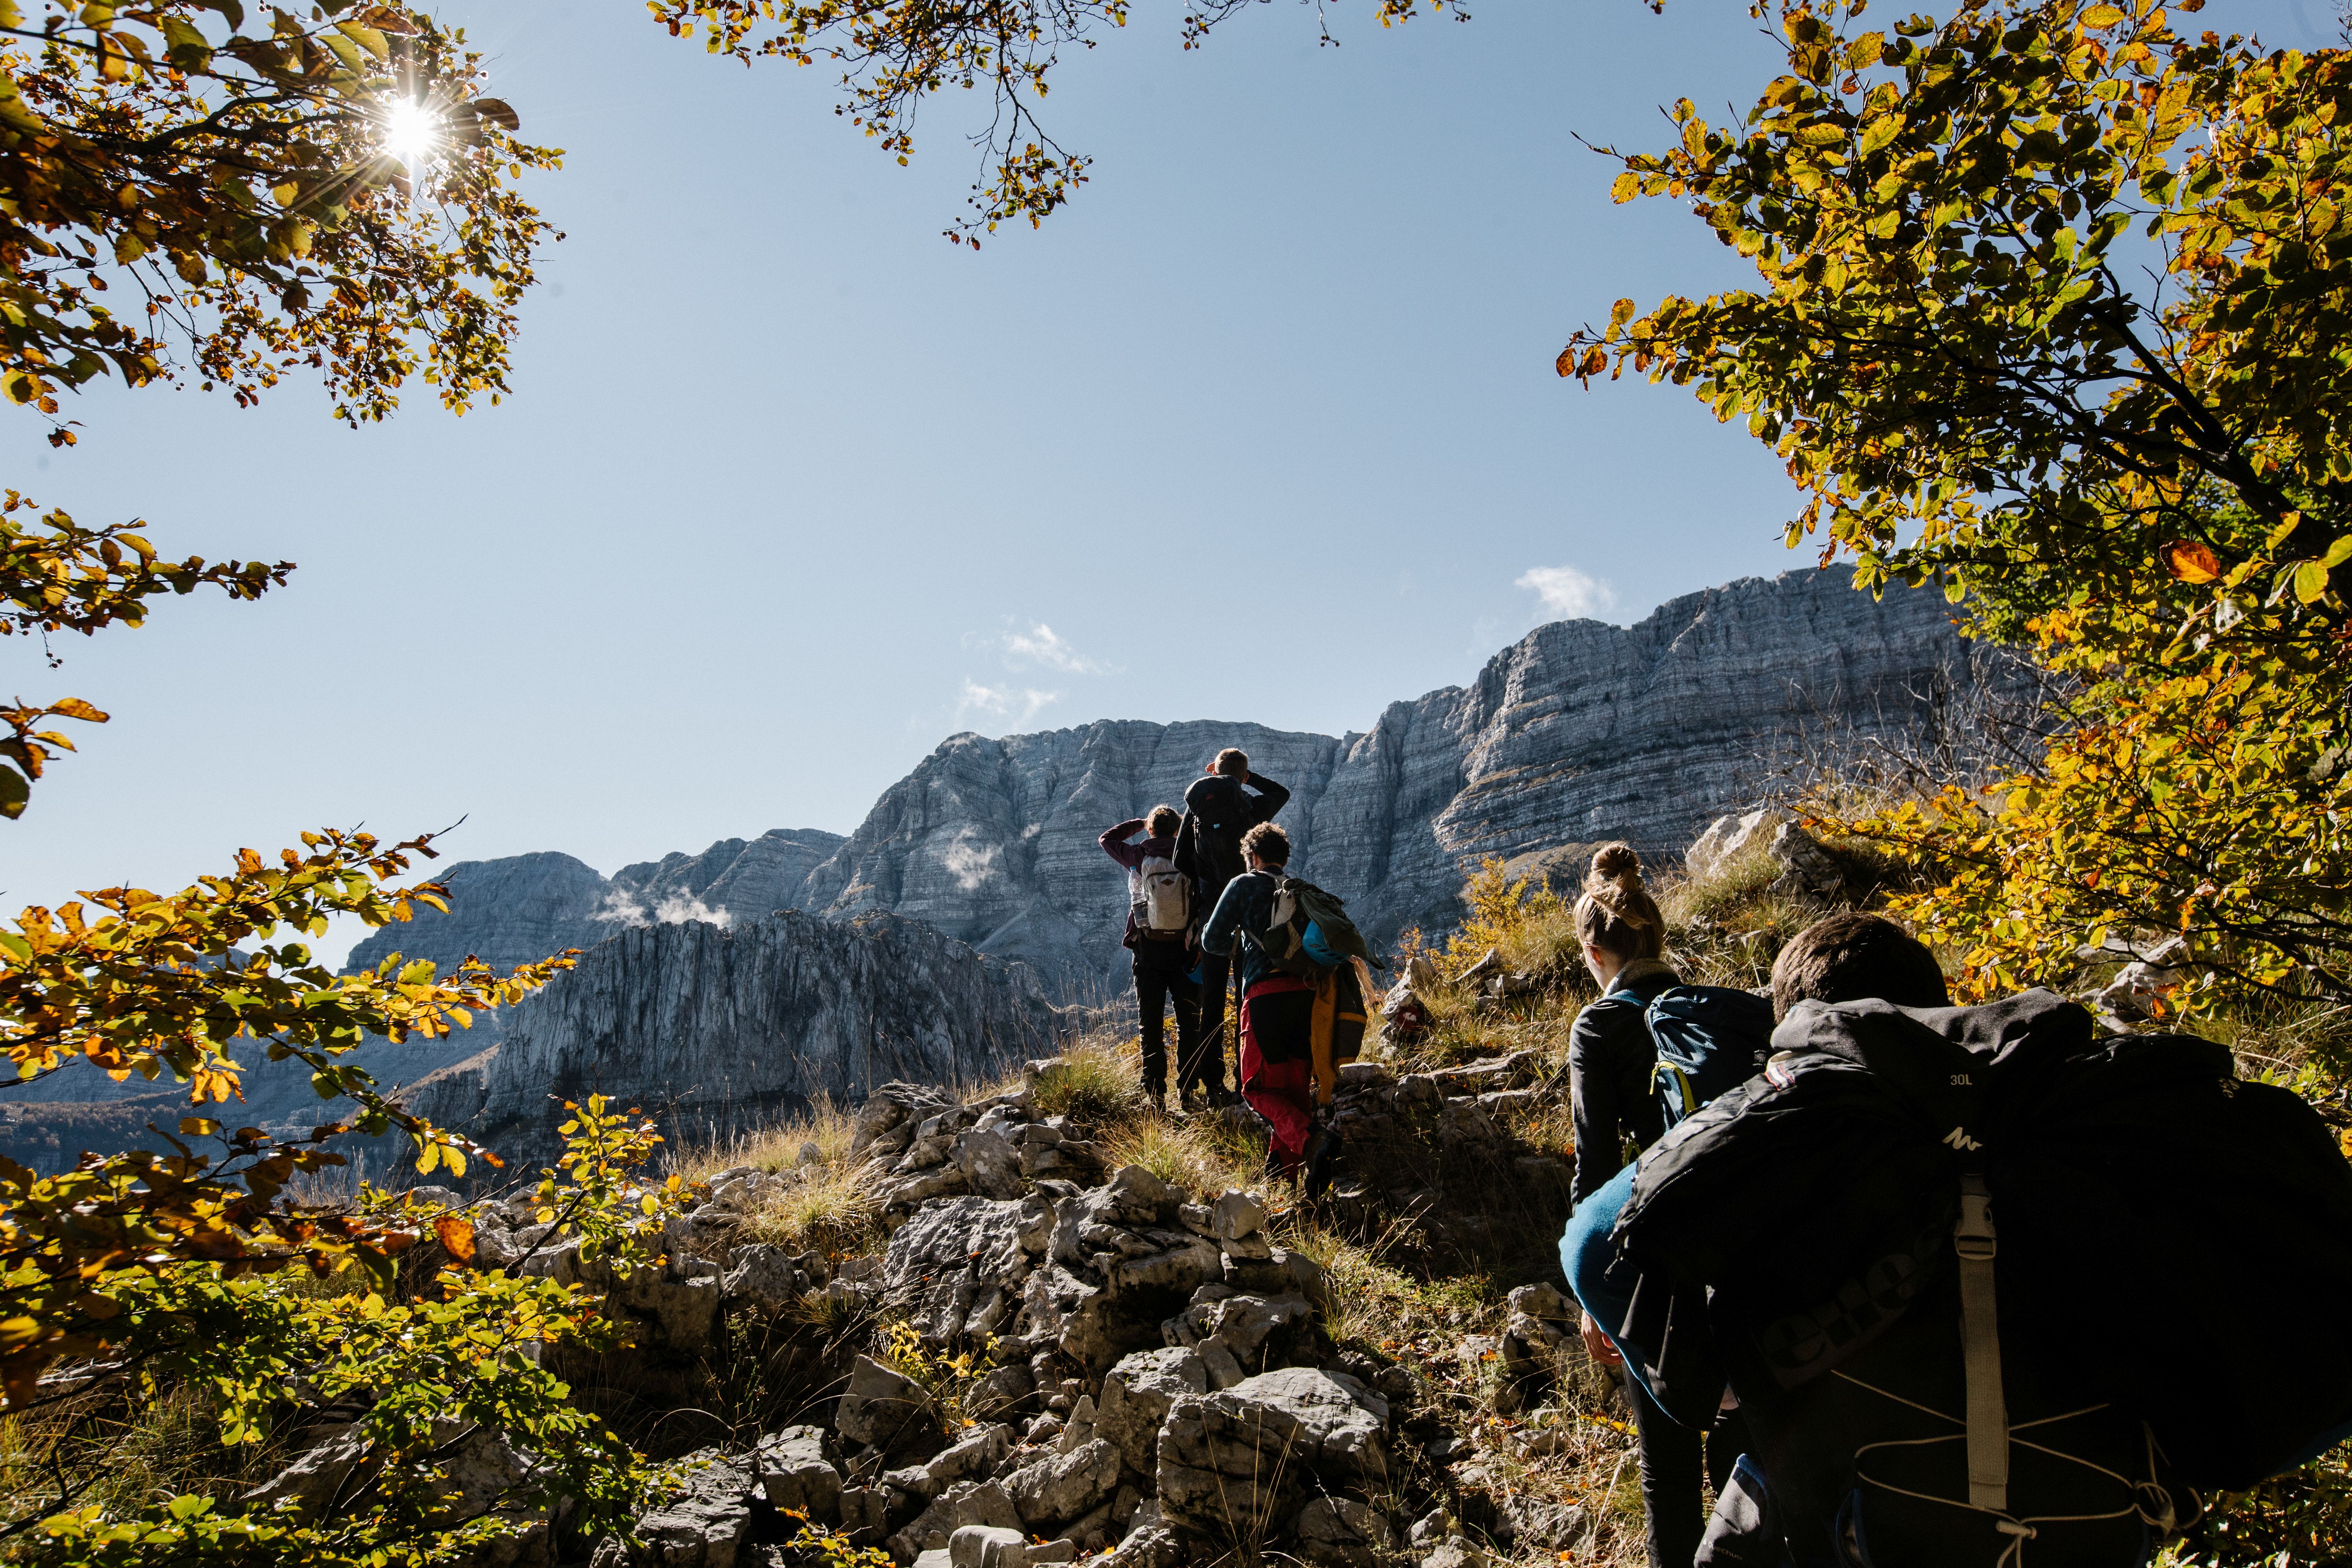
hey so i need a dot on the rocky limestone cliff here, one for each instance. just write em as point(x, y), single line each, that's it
point(1577, 732)
point(713, 1030)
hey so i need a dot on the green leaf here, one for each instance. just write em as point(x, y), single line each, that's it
point(2310, 581)
point(16, 791)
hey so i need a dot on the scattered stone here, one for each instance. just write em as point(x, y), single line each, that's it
point(1542, 1299)
point(880, 1407)
point(984, 1546)
point(1062, 1487)
point(1245, 1453)
point(1344, 1532)
point(764, 1279)
point(1136, 1394)
point(967, 1503)
point(703, 1528)
point(1812, 872)
point(1454, 1551)
point(975, 1456)
point(1236, 1215)
point(1000, 1393)
point(1727, 837)
point(796, 1470)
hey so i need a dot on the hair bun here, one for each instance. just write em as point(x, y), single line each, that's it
point(1615, 864)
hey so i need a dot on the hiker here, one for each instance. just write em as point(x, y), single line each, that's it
point(1275, 1069)
point(1218, 810)
point(1160, 936)
point(1612, 1055)
point(1611, 1062)
point(1843, 957)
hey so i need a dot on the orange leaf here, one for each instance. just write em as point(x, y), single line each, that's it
point(2189, 560)
point(457, 1235)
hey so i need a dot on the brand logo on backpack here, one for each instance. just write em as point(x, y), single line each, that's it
point(1958, 1139)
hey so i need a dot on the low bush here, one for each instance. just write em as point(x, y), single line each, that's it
point(1093, 1083)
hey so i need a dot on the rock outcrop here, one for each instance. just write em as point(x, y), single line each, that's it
point(1133, 1374)
point(1577, 732)
point(713, 1029)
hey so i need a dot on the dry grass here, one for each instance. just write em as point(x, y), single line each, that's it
point(829, 1210)
point(1203, 1155)
point(773, 1148)
point(1096, 1082)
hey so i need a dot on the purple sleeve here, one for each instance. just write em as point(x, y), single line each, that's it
point(1115, 845)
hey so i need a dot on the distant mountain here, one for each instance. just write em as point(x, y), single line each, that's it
point(1577, 732)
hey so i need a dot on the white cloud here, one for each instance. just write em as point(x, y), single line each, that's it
point(969, 866)
point(1013, 705)
point(622, 908)
point(1570, 594)
point(1042, 645)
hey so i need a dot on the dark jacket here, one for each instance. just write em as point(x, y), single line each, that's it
point(1151, 952)
point(1609, 1059)
point(1234, 810)
point(1246, 906)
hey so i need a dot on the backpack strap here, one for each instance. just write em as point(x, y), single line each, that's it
point(1987, 1434)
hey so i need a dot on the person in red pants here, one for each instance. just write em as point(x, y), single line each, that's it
point(1277, 1067)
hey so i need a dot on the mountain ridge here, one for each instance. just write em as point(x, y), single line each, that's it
point(1578, 731)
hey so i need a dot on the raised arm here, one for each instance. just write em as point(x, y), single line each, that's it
point(1115, 843)
point(1271, 796)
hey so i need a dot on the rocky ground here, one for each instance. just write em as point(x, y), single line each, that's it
point(1054, 1354)
point(1045, 1322)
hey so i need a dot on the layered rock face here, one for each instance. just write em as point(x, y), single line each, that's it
point(712, 1029)
point(1577, 733)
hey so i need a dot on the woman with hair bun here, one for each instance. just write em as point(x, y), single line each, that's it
point(1610, 1053)
point(1610, 1057)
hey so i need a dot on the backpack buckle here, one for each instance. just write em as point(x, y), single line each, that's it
point(1972, 1236)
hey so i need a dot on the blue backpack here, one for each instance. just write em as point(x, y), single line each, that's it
point(1710, 1040)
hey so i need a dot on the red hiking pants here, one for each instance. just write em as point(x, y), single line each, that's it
point(1281, 1091)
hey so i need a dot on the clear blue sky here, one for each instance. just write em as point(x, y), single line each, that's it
point(790, 487)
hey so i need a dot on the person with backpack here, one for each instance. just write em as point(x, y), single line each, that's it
point(1159, 937)
point(1276, 1063)
point(1219, 810)
point(1613, 1066)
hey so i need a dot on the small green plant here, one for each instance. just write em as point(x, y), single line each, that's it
point(2304, 1517)
point(462, 1361)
point(946, 1378)
point(814, 1546)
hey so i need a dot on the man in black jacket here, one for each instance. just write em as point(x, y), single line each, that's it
point(1218, 809)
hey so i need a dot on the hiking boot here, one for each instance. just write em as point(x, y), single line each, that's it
point(1322, 1154)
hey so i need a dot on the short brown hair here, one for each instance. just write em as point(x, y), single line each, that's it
point(1267, 843)
point(1160, 821)
point(1616, 913)
point(1233, 762)
point(1851, 956)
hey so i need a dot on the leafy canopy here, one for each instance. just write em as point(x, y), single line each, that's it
point(2054, 305)
point(2037, 285)
point(894, 53)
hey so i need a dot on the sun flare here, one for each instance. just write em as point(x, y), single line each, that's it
point(411, 130)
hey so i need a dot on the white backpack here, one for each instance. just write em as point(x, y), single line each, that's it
point(1164, 897)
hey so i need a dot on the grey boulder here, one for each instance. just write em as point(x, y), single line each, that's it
point(796, 1470)
point(880, 1407)
point(1063, 1487)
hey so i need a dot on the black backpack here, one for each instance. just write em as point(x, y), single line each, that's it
point(1710, 1040)
point(1209, 843)
point(1981, 1278)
